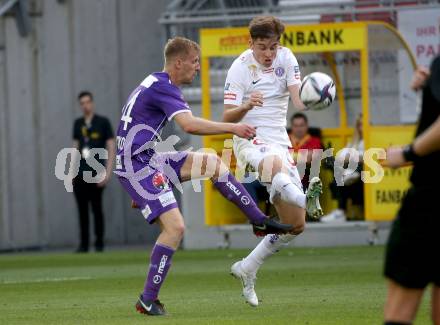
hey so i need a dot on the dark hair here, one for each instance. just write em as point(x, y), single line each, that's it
point(266, 27)
point(179, 46)
point(85, 93)
point(299, 115)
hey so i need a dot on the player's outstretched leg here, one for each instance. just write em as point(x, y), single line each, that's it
point(199, 165)
point(235, 192)
point(172, 228)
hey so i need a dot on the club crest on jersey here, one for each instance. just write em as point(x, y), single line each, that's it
point(279, 71)
point(253, 69)
point(160, 181)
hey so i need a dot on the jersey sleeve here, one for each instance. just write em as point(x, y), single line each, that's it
point(171, 102)
point(293, 75)
point(234, 86)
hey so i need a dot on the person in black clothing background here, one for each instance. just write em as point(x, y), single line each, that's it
point(91, 131)
point(413, 249)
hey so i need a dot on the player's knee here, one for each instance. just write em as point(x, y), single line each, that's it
point(176, 231)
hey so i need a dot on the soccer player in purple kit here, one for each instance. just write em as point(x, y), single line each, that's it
point(148, 173)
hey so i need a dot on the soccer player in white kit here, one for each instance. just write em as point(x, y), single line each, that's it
point(257, 90)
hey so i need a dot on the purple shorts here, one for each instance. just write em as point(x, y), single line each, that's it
point(152, 192)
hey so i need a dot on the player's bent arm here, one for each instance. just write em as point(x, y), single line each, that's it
point(199, 126)
point(234, 113)
point(294, 96)
point(428, 141)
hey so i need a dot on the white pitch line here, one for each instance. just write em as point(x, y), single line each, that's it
point(46, 280)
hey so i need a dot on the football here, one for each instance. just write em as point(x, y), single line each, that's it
point(317, 91)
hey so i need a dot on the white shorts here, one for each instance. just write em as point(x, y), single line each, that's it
point(250, 153)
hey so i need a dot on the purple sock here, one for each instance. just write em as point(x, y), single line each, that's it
point(160, 262)
point(235, 192)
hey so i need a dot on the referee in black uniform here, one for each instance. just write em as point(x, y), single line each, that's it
point(413, 249)
point(91, 131)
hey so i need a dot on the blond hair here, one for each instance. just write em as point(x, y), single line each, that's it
point(179, 47)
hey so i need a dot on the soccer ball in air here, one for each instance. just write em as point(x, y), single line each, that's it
point(317, 91)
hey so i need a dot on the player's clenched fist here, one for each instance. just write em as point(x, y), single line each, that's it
point(256, 99)
point(244, 131)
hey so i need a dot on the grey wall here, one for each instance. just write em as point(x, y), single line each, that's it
point(105, 46)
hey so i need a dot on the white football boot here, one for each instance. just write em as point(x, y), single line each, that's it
point(248, 282)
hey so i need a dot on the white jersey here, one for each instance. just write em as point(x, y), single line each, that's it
point(246, 75)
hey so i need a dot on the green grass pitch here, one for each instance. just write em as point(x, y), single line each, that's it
point(297, 286)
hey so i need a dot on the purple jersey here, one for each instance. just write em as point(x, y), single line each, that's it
point(148, 109)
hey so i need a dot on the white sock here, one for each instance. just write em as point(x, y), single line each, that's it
point(290, 193)
point(267, 247)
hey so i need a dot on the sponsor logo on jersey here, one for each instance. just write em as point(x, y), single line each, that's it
point(160, 181)
point(255, 81)
point(167, 199)
point(296, 72)
point(279, 71)
point(230, 96)
point(233, 188)
point(118, 162)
